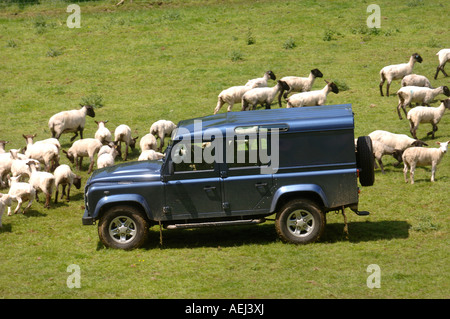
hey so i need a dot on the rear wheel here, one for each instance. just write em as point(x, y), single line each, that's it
point(365, 161)
point(123, 227)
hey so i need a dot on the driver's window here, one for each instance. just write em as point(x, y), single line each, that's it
point(195, 156)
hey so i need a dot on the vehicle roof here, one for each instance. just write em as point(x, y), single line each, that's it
point(302, 119)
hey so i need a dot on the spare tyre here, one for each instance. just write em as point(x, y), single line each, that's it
point(365, 161)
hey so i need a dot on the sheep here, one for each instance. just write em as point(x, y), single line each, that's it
point(312, 98)
point(423, 156)
point(381, 149)
point(20, 166)
point(5, 201)
point(299, 84)
point(41, 181)
point(161, 129)
point(30, 140)
point(408, 94)
point(2, 146)
point(397, 72)
point(261, 95)
point(148, 142)
point(123, 134)
point(423, 114)
point(107, 157)
point(150, 155)
point(6, 161)
point(103, 134)
point(65, 177)
point(87, 147)
point(416, 80)
point(20, 192)
point(70, 121)
point(443, 56)
point(231, 96)
point(261, 82)
point(46, 153)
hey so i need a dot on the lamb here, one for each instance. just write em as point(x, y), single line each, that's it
point(5, 200)
point(423, 157)
point(106, 159)
point(6, 160)
point(148, 142)
point(123, 134)
point(103, 134)
point(408, 94)
point(231, 96)
point(443, 56)
point(2, 146)
point(70, 121)
point(416, 80)
point(30, 140)
point(65, 177)
point(312, 98)
point(20, 192)
point(423, 114)
point(161, 129)
point(397, 72)
point(20, 166)
point(41, 181)
point(261, 82)
point(87, 147)
point(261, 95)
point(299, 84)
point(380, 149)
point(46, 153)
point(150, 155)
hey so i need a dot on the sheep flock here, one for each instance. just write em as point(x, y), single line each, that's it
point(20, 167)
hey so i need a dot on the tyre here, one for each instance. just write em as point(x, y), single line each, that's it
point(300, 222)
point(365, 161)
point(123, 227)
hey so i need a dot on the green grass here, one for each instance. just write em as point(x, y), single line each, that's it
point(146, 61)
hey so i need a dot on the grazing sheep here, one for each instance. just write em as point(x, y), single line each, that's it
point(2, 146)
point(123, 134)
point(423, 95)
point(299, 84)
point(65, 177)
point(419, 156)
point(262, 95)
point(312, 98)
point(423, 114)
point(106, 159)
point(443, 56)
point(148, 142)
point(149, 155)
point(20, 192)
point(416, 80)
point(261, 82)
point(397, 72)
point(46, 153)
point(103, 134)
point(5, 201)
point(70, 121)
point(161, 129)
point(41, 181)
point(380, 149)
point(231, 96)
point(87, 147)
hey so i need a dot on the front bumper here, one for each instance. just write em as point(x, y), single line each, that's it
point(87, 220)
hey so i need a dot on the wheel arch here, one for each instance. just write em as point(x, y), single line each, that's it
point(308, 191)
point(133, 200)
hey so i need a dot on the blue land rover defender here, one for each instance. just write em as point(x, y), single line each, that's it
point(237, 168)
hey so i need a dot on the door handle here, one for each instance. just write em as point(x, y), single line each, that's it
point(209, 188)
point(260, 184)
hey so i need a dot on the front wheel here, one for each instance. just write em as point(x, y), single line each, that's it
point(300, 222)
point(123, 227)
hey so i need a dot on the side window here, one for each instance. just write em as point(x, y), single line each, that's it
point(198, 156)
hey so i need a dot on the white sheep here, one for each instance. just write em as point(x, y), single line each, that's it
point(20, 193)
point(103, 134)
point(149, 155)
point(20, 166)
point(299, 84)
point(423, 114)
point(416, 80)
point(46, 153)
point(262, 95)
point(70, 121)
point(381, 149)
point(161, 129)
point(312, 98)
point(148, 142)
point(443, 56)
point(6, 160)
point(123, 134)
point(65, 177)
point(261, 82)
point(423, 95)
point(87, 147)
point(397, 72)
point(5, 201)
point(41, 181)
point(30, 140)
point(419, 156)
point(231, 96)
point(106, 159)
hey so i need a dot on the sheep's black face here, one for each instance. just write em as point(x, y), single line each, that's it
point(271, 75)
point(334, 88)
point(90, 111)
point(446, 103)
point(446, 91)
point(284, 85)
point(69, 157)
point(77, 182)
point(317, 73)
point(419, 143)
point(133, 142)
point(417, 57)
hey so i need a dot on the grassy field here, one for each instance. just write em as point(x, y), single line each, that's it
point(151, 60)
